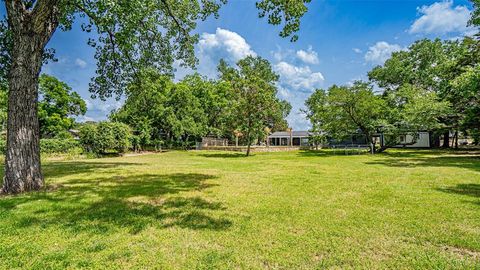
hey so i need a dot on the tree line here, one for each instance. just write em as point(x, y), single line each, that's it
point(241, 102)
point(434, 85)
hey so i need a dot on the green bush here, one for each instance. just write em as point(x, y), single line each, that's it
point(50, 146)
point(58, 146)
point(106, 136)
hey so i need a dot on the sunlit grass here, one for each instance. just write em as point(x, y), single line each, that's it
point(218, 210)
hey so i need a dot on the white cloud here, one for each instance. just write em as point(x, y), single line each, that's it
point(381, 51)
point(225, 41)
point(299, 77)
point(442, 18)
point(80, 63)
point(357, 50)
point(309, 57)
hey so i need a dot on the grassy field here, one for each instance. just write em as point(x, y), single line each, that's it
point(217, 210)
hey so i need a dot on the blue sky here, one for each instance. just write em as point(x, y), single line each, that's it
point(340, 41)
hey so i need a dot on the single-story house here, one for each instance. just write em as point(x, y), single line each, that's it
point(287, 138)
point(301, 138)
point(422, 141)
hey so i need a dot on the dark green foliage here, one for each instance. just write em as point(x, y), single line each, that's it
point(50, 146)
point(343, 111)
point(157, 108)
point(55, 146)
point(450, 69)
point(288, 12)
point(105, 136)
point(57, 106)
point(256, 105)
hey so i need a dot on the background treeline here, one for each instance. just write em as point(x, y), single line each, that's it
point(161, 113)
point(433, 85)
point(241, 102)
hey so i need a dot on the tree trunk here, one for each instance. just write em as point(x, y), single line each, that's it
point(31, 31)
point(248, 148)
point(22, 164)
point(446, 139)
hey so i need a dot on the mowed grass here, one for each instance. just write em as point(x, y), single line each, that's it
point(220, 210)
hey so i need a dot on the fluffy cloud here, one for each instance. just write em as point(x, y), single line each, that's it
point(80, 63)
point(309, 57)
point(295, 85)
point(381, 51)
point(225, 42)
point(298, 78)
point(442, 18)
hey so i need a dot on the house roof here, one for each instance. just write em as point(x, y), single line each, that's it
point(286, 134)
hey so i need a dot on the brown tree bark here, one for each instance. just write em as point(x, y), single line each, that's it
point(31, 31)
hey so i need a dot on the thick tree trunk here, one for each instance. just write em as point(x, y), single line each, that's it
point(22, 164)
point(31, 31)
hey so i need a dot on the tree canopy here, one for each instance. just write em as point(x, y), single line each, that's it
point(343, 111)
point(58, 104)
point(254, 88)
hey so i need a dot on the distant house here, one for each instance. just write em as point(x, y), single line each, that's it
point(424, 140)
point(302, 138)
point(287, 138)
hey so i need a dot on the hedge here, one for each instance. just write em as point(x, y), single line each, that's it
point(50, 146)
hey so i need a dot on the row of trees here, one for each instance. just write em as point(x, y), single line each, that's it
point(434, 85)
point(242, 101)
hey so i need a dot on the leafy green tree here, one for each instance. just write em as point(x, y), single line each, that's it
point(57, 106)
point(447, 68)
point(156, 107)
point(216, 100)
point(105, 136)
point(342, 111)
point(255, 92)
point(130, 35)
point(345, 110)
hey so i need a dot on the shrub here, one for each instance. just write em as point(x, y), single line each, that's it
point(50, 146)
point(58, 146)
point(106, 136)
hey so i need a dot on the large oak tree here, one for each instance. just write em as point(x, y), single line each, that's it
point(130, 34)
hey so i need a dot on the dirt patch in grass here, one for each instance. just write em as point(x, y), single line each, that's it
point(463, 253)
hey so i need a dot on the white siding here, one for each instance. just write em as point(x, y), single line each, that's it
point(423, 140)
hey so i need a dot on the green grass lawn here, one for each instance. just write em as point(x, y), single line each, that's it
point(217, 210)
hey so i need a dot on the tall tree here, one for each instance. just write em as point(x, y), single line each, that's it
point(130, 35)
point(444, 67)
point(345, 110)
point(254, 86)
point(57, 106)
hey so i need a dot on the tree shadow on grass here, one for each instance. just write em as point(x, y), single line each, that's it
point(471, 190)
point(223, 155)
point(132, 203)
point(412, 160)
point(330, 153)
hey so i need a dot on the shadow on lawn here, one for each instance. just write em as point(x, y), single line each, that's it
point(472, 190)
point(103, 205)
point(223, 155)
point(419, 159)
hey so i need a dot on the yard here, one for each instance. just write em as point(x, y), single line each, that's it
point(219, 210)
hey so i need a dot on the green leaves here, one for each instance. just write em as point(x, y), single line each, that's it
point(286, 12)
point(255, 105)
point(57, 106)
